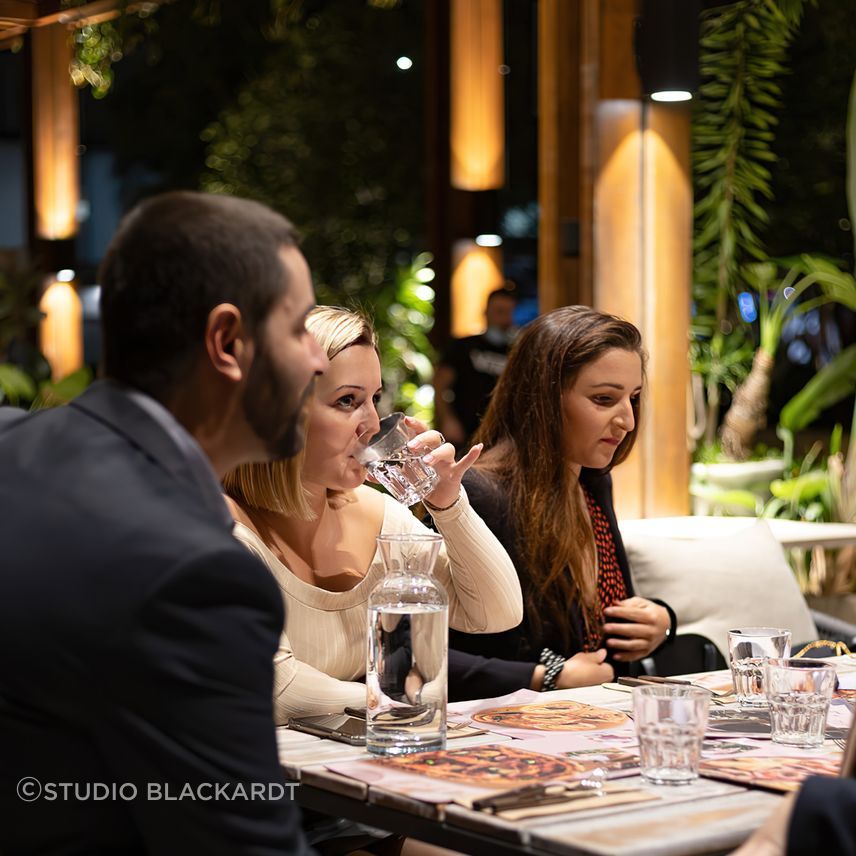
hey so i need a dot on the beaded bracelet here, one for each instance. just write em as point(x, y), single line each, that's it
point(553, 664)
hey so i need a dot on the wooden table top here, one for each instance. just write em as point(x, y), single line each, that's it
point(706, 816)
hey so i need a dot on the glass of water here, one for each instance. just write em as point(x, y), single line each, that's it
point(670, 724)
point(749, 648)
point(390, 462)
point(799, 692)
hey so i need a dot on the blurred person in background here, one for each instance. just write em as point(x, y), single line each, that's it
point(469, 368)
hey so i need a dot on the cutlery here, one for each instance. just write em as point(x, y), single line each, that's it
point(592, 785)
point(647, 680)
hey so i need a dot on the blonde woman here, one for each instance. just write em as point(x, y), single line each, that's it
point(314, 523)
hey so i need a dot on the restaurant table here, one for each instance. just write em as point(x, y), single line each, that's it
point(705, 817)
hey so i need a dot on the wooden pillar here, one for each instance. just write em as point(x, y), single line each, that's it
point(55, 194)
point(477, 133)
point(56, 182)
point(567, 74)
point(642, 259)
point(667, 201)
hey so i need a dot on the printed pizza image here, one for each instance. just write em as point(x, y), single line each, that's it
point(488, 766)
point(553, 716)
point(773, 772)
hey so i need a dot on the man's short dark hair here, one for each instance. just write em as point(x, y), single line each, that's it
point(173, 259)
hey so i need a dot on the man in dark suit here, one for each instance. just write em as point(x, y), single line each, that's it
point(136, 635)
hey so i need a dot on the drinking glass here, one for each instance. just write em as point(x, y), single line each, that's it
point(670, 724)
point(799, 692)
point(749, 648)
point(390, 462)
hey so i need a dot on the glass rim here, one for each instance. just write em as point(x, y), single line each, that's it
point(759, 631)
point(798, 664)
point(387, 424)
point(675, 691)
point(424, 537)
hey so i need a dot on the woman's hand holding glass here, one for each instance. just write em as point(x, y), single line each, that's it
point(441, 456)
point(641, 629)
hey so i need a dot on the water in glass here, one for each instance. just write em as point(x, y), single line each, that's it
point(799, 692)
point(670, 722)
point(669, 752)
point(748, 677)
point(406, 667)
point(405, 475)
point(749, 648)
point(798, 719)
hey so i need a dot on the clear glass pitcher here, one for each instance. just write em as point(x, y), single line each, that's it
point(408, 633)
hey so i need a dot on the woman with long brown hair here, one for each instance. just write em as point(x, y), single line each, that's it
point(564, 413)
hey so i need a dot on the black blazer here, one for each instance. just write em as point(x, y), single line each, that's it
point(9, 415)
point(492, 664)
point(136, 645)
point(823, 819)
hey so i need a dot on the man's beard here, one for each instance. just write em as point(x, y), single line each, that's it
point(271, 409)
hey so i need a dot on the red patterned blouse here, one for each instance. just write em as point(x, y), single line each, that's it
point(610, 580)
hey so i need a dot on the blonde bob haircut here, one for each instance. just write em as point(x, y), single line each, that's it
point(277, 485)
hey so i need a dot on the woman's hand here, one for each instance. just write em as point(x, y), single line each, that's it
point(585, 670)
point(645, 630)
point(441, 456)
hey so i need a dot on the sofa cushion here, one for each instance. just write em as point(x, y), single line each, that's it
point(717, 584)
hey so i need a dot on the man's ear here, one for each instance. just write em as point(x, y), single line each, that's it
point(227, 344)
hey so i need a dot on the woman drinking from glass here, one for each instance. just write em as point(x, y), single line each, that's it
point(314, 524)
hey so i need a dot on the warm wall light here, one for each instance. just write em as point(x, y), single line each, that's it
point(672, 95)
point(667, 39)
point(477, 101)
point(476, 271)
point(55, 134)
point(61, 328)
point(489, 240)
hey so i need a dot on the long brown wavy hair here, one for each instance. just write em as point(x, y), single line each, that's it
point(523, 434)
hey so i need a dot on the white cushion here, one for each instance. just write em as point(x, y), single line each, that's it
point(717, 584)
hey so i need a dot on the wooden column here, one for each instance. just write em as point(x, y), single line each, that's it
point(477, 132)
point(56, 182)
point(667, 201)
point(567, 74)
point(55, 194)
point(642, 257)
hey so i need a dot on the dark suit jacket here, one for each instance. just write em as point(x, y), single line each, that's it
point(824, 818)
point(10, 415)
point(136, 645)
point(492, 664)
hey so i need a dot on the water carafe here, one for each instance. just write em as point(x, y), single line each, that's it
point(408, 632)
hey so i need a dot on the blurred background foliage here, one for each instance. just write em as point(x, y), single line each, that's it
point(318, 135)
point(774, 93)
point(25, 375)
point(298, 104)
